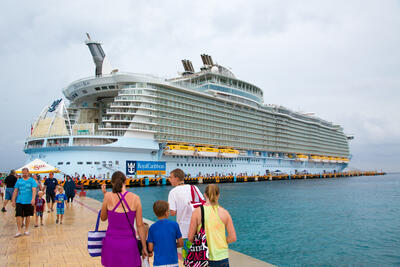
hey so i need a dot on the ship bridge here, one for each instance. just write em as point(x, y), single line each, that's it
point(219, 81)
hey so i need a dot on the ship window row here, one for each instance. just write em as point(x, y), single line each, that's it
point(204, 165)
point(88, 162)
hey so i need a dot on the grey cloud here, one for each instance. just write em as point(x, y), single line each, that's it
point(338, 59)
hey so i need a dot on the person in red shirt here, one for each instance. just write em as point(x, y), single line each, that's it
point(40, 206)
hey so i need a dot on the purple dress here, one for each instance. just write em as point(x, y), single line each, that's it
point(120, 244)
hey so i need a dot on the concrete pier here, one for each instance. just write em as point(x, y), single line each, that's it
point(66, 244)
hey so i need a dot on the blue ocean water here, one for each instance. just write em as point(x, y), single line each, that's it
point(321, 222)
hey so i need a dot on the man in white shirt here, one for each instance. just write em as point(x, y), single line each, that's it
point(179, 199)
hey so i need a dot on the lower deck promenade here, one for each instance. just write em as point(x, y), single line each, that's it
point(66, 244)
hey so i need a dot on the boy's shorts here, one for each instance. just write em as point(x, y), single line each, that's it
point(60, 210)
point(39, 213)
point(185, 249)
point(9, 193)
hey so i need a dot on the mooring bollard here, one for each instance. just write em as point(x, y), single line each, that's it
point(82, 193)
point(163, 181)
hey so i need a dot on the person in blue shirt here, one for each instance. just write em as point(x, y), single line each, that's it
point(23, 200)
point(60, 200)
point(50, 185)
point(164, 237)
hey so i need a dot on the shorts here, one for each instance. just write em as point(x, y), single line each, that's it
point(185, 249)
point(221, 263)
point(39, 213)
point(9, 193)
point(50, 195)
point(23, 210)
point(60, 210)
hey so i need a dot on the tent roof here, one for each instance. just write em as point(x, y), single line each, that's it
point(38, 166)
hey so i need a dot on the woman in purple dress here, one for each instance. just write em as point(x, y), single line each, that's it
point(120, 246)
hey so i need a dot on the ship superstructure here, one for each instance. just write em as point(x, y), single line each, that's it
point(206, 122)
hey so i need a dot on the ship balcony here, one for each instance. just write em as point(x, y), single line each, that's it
point(129, 112)
point(131, 99)
point(128, 105)
point(149, 94)
point(126, 120)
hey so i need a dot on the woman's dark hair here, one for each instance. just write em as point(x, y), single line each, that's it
point(118, 180)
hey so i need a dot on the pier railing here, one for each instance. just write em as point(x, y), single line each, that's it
point(94, 183)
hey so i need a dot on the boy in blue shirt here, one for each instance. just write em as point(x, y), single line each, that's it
point(60, 200)
point(164, 237)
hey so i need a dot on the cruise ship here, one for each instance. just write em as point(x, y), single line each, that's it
point(206, 122)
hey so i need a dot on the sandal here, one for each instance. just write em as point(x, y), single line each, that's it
point(27, 233)
point(17, 235)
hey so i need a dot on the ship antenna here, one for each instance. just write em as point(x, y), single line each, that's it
point(97, 53)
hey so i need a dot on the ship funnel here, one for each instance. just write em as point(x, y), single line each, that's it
point(207, 60)
point(97, 54)
point(188, 66)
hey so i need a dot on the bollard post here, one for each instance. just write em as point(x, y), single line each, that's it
point(163, 181)
point(146, 181)
point(234, 179)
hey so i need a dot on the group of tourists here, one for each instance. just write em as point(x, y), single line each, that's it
point(121, 208)
point(26, 194)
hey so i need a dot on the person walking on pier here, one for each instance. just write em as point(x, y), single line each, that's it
point(69, 187)
point(50, 184)
point(179, 199)
point(24, 199)
point(121, 208)
point(10, 182)
point(216, 220)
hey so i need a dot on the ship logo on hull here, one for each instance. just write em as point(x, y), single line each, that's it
point(145, 167)
point(130, 167)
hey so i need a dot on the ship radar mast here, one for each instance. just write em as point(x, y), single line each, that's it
point(97, 53)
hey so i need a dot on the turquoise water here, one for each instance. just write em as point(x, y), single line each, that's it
point(322, 222)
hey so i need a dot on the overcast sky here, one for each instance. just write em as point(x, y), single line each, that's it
point(338, 59)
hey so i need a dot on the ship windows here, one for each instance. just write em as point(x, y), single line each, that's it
point(84, 91)
point(67, 163)
point(79, 162)
point(104, 87)
point(97, 162)
point(103, 162)
point(88, 163)
point(111, 86)
point(116, 162)
point(97, 88)
point(60, 163)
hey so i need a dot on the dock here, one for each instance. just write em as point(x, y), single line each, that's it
point(66, 244)
point(94, 183)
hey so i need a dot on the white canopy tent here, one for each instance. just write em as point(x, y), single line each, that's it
point(38, 166)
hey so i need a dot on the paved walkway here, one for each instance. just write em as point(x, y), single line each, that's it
point(65, 245)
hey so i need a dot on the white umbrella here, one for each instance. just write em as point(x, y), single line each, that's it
point(38, 166)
